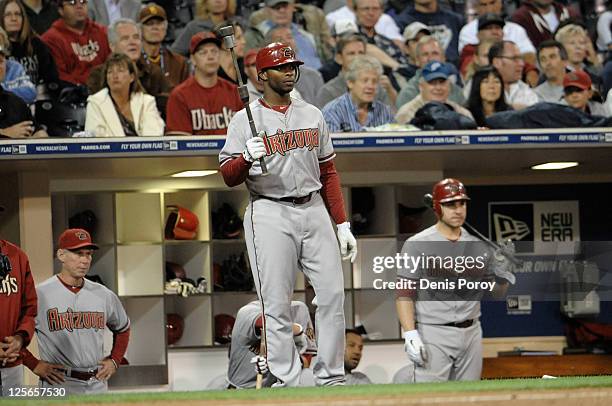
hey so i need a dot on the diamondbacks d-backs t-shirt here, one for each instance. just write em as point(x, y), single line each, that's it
point(76, 54)
point(197, 110)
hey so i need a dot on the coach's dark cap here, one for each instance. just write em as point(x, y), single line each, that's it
point(488, 19)
point(74, 239)
point(203, 37)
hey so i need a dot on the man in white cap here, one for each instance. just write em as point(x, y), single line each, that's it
point(412, 34)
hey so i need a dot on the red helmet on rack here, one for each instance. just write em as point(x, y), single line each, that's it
point(275, 54)
point(175, 325)
point(182, 224)
point(447, 190)
point(224, 323)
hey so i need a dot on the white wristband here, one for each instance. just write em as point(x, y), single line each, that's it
point(346, 225)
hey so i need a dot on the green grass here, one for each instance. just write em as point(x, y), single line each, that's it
point(335, 392)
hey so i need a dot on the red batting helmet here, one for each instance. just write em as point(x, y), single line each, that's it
point(182, 224)
point(224, 323)
point(174, 327)
point(275, 54)
point(447, 190)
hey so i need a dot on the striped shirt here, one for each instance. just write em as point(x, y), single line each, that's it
point(341, 115)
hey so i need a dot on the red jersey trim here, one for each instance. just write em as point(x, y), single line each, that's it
point(331, 191)
point(280, 109)
point(327, 158)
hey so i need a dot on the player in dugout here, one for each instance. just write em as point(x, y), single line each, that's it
point(72, 315)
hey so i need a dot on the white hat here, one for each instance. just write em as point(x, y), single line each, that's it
point(344, 26)
point(413, 29)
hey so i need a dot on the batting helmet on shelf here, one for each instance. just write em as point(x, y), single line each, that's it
point(175, 325)
point(275, 54)
point(182, 224)
point(174, 271)
point(235, 275)
point(224, 323)
point(447, 190)
point(226, 222)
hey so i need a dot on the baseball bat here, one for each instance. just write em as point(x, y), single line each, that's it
point(428, 200)
point(263, 350)
point(227, 33)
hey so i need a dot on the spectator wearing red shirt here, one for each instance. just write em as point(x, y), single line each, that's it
point(77, 44)
point(204, 104)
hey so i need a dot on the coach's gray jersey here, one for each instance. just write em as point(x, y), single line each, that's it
point(297, 142)
point(70, 326)
point(441, 311)
point(241, 373)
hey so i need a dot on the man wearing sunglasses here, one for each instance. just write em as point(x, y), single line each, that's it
point(77, 44)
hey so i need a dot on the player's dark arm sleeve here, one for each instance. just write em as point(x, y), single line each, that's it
point(235, 170)
point(29, 360)
point(331, 191)
point(29, 308)
point(402, 294)
point(120, 344)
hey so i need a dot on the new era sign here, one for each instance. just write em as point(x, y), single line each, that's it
point(541, 228)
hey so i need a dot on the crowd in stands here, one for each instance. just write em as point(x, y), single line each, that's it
point(129, 68)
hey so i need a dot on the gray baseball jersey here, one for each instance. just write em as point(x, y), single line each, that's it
point(245, 342)
point(453, 353)
point(297, 142)
point(284, 238)
point(441, 311)
point(70, 326)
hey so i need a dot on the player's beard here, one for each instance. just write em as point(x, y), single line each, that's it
point(281, 88)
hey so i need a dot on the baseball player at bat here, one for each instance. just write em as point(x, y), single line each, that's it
point(245, 359)
point(287, 226)
point(443, 337)
point(72, 315)
point(18, 305)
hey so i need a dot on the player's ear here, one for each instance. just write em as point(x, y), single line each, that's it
point(263, 76)
point(60, 253)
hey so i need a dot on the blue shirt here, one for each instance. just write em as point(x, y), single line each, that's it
point(17, 81)
point(341, 115)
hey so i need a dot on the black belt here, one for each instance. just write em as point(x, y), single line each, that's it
point(462, 324)
point(290, 199)
point(82, 375)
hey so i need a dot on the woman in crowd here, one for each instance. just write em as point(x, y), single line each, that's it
point(226, 68)
point(581, 53)
point(28, 49)
point(209, 13)
point(122, 108)
point(486, 94)
point(16, 79)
